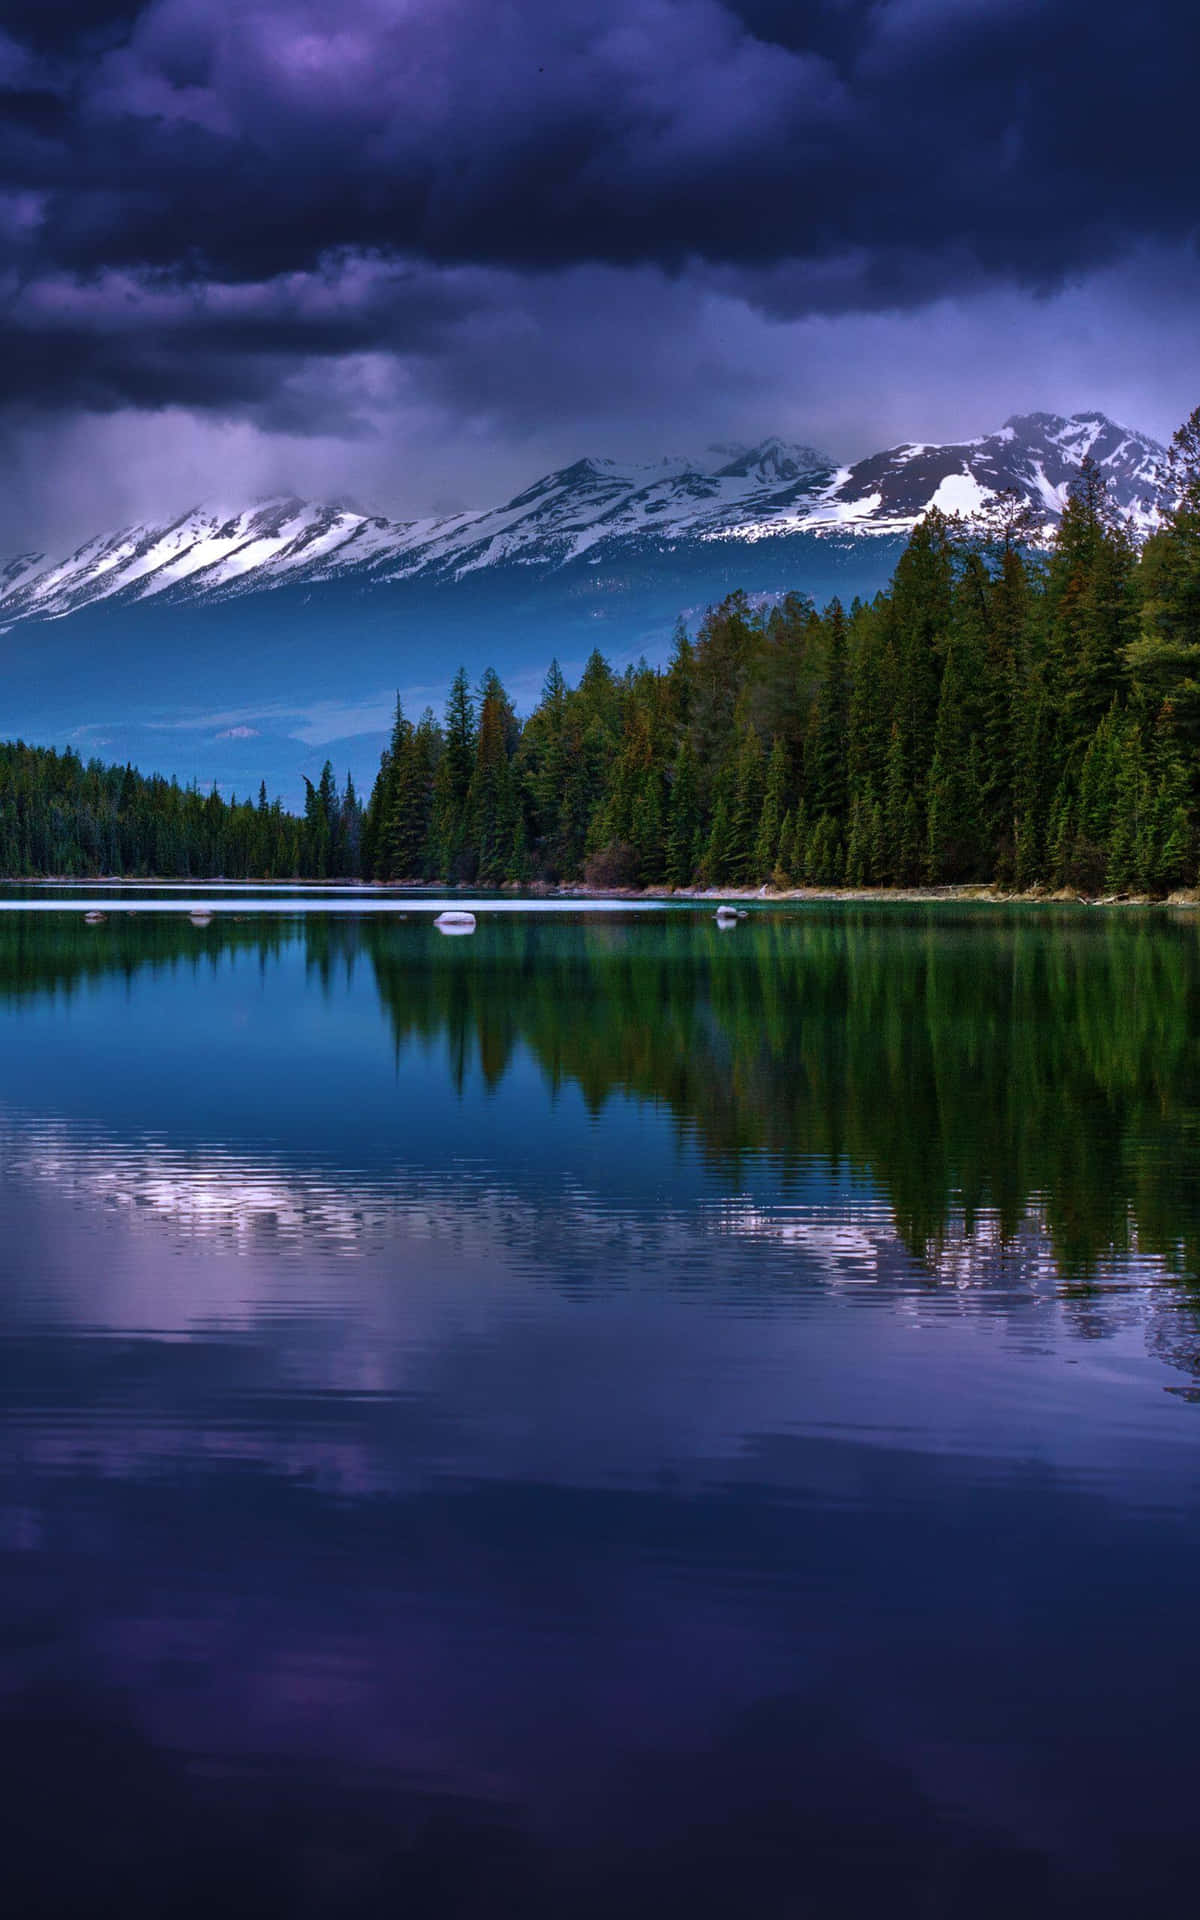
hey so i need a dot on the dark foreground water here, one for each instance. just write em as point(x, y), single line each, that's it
point(603, 1416)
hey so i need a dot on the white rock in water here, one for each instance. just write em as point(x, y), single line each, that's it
point(200, 917)
point(94, 917)
point(453, 922)
point(727, 916)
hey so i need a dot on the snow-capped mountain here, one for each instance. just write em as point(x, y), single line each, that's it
point(593, 513)
point(240, 642)
point(1035, 455)
point(212, 553)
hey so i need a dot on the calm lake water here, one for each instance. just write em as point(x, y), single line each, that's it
point(605, 1415)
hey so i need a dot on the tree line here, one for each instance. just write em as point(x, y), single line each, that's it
point(62, 815)
point(1005, 711)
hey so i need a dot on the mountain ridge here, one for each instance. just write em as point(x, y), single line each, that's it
point(591, 511)
point(242, 641)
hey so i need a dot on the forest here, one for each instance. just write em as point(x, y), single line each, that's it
point(1008, 711)
point(63, 817)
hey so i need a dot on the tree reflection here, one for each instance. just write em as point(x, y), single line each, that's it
point(963, 1062)
point(968, 1063)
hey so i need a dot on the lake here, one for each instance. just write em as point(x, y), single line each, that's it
point(605, 1415)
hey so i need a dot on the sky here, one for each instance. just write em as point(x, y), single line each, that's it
point(418, 252)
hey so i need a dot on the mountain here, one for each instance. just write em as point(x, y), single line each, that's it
point(234, 641)
point(210, 554)
point(594, 510)
point(1035, 455)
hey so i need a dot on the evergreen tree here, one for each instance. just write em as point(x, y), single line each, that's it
point(827, 782)
point(771, 818)
point(318, 836)
point(793, 846)
point(956, 849)
point(543, 768)
point(872, 699)
point(680, 681)
point(1164, 657)
point(824, 860)
point(683, 820)
point(407, 850)
point(1035, 760)
point(746, 810)
point(720, 852)
point(920, 612)
point(452, 855)
point(1091, 609)
point(492, 811)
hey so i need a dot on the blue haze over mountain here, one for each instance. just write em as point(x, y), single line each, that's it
point(242, 642)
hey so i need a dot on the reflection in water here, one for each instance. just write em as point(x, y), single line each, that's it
point(598, 1415)
point(964, 1064)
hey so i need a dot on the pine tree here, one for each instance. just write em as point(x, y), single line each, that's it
point(955, 812)
point(453, 857)
point(680, 678)
point(793, 845)
point(774, 807)
point(858, 845)
point(377, 853)
point(520, 866)
point(872, 700)
point(824, 860)
point(646, 825)
point(349, 831)
point(1130, 807)
point(319, 804)
point(921, 608)
point(827, 782)
point(543, 765)
point(1164, 658)
point(492, 796)
point(683, 820)
point(897, 852)
point(785, 866)
point(1035, 760)
point(1090, 608)
point(746, 810)
point(720, 853)
point(406, 844)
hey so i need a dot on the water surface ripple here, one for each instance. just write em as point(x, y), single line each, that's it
point(605, 1414)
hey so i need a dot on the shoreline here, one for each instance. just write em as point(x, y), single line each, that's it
point(970, 893)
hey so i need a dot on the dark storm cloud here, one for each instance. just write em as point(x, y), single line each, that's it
point(114, 340)
point(197, 194)
point(244, 141)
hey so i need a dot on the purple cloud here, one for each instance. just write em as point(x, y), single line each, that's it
point(449, 220)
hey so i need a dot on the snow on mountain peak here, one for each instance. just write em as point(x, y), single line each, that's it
point(776, 459)
point(1035, 455)
point(592, 510)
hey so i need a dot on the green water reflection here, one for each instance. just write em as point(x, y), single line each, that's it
point(967, 1062)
